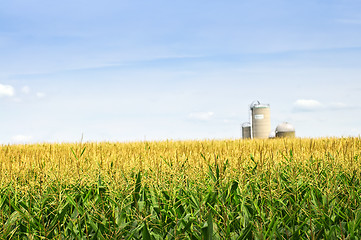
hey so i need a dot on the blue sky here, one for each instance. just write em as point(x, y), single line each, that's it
point(134, 70)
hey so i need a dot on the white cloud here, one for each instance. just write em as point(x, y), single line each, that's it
point(338, 105)
point(6, 91)
point(17, 100)
point(307, 105)
point(350, 21)
point(25, 89)
point(21, 138)
point(203, 116)
point(40, 94)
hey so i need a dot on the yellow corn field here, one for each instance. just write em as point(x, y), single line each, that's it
point(68, 163)
point(210, 189)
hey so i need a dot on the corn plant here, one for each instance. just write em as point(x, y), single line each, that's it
point(224, 189)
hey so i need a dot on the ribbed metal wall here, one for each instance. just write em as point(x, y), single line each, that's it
point(246, 130)
point(285, 129)
point(285, 134)
point(261, 121)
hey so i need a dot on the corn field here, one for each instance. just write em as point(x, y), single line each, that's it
point(211, 189)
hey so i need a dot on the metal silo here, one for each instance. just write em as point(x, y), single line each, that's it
point(285, 130)
point(246, 130)
point(261, 120)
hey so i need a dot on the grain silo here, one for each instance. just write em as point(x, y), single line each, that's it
point(246, 130)
point(285, 130)
point(261, 120)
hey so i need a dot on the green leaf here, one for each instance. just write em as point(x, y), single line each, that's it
point(95, 228)
point(74, 154)
point(145, 232)
point(207, 229)
point(71, 200)
point(10, 223)
point(82, 152)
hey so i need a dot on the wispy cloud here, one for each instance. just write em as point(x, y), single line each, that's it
point(21, 138)
point(350, 21)
point(40, 94)
point(307, 105)
point(338, 105)
point(25, 89)
point(6, 91)
point(203, 116)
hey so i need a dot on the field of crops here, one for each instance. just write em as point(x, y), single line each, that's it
point(224, 189)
